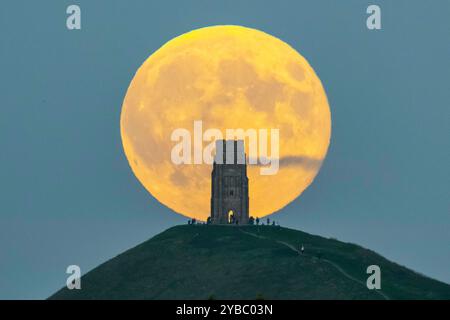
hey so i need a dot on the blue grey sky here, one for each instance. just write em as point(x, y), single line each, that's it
point(68, 196)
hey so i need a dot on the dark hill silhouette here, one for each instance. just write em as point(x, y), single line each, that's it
point(246, 262)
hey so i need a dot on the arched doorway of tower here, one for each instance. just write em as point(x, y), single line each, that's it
point(230, 216)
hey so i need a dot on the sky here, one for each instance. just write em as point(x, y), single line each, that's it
point(68, 196)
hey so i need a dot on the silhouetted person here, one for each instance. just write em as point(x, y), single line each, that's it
point(302, 249)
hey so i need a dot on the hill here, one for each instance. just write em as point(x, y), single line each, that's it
point(248, 262)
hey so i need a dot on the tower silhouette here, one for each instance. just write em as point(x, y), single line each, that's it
point(229, 184)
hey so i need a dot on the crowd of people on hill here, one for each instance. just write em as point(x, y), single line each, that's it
point(251, 221)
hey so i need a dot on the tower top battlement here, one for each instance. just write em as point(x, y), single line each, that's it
point(230, 152)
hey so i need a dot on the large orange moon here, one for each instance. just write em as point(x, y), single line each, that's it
point(228, 77)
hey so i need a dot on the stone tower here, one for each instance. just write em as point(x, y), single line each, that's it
point(229, 184)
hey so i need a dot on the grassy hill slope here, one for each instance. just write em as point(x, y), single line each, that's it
point(246, 262)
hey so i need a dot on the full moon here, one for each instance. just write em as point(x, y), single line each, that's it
point(228, 77)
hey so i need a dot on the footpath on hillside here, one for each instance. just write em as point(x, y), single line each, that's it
point(336, 266)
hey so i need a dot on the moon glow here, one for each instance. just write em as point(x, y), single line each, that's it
point(228, 77)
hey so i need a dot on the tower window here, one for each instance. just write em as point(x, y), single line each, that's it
point(231, 193)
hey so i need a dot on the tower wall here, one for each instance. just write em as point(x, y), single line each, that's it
point(229, 183)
